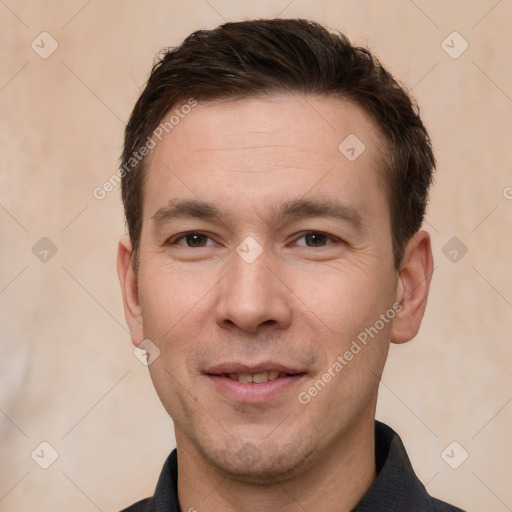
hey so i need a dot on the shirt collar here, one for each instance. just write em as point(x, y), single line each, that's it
point(395, 488)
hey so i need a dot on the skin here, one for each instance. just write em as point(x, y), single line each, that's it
point(301, 302)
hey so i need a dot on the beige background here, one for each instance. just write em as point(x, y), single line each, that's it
point(68, 374)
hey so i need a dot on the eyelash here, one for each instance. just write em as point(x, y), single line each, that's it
point(178, 238)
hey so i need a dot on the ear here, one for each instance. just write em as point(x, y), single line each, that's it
point(413, 286)
point(130, 290)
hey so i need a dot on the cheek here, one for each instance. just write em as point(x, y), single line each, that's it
point(168, 298)
point(346, 297)
point(177, 312)
point(171, 304)
point(349, 301)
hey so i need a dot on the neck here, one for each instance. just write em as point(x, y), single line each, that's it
point(335, 482)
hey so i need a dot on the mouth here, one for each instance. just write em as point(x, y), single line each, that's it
point(246, 384)
point(256, 378)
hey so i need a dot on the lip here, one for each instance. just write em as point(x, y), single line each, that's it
point(252, 393)
point(236, 367)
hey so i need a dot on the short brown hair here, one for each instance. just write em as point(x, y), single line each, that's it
point(269, 56)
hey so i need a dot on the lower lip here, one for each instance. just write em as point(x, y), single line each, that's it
point(247, 392)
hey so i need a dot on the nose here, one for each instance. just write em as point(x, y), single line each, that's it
point(252, 295)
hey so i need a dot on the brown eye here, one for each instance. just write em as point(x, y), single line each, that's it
point(191, 240)
point(196, 240)
point(315, 239)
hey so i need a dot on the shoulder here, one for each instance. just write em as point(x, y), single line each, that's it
point(441, 506)
point(397, 479)
point(140, 506)
point(166, 492)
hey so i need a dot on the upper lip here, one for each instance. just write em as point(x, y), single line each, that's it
point(245, 368)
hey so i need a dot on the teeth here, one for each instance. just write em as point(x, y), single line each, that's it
point(257, 378)
point(260, 377)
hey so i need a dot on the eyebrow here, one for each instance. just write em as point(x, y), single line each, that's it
point(289, 210)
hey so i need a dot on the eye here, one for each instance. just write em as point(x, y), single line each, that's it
point(316, 239)
point(191, 239)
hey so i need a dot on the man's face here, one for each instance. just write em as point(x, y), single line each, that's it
point(288, 259)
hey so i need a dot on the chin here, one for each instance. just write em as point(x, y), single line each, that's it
point(261, 462)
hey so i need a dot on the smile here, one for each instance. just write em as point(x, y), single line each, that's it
point(255, 387)
point(256, 378)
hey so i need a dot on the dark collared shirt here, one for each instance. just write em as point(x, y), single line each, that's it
point(396, 488)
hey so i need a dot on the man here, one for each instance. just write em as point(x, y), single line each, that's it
point(274, 179)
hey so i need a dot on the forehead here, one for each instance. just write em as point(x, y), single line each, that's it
point(267, 121)
point(267, 148)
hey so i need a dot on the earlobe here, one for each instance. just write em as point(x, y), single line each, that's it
point(413, 287)
point(129, 289)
